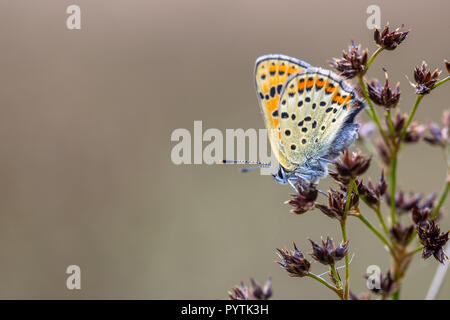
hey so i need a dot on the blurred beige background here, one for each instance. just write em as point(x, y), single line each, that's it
point(85, 125)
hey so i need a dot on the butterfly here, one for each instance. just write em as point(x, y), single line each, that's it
point(309, 114)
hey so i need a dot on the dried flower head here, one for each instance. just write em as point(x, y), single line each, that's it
point(389, 40)
point(352, 62)
point(439, 137)
point(326, 253)
point(403, 203)
point(401, 234)
point(294, 262)
point(305, 198)
point(256, 292)
point(370, 192)
point(366, 129)
point(385, 285)
point(336, 204)
point(398, 122)
point(384, 95)
point(433, 240)
point(383, 151)
point(414, 133)
point(421, 215)
point(425, 78)
point(351, 165)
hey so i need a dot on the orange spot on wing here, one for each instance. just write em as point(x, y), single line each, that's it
point(336, 97)
point(330, 89)
point(272, 68)
point(319, 84)
point(309, 83)
point(292, 70)
point(346, 99)
point(301, 85)
point(271, 105)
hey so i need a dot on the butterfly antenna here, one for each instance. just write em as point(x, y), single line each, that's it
point(258, 164)
point(244, 162)
point(257, 167)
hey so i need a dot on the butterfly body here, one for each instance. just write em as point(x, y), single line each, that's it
point(309, 114)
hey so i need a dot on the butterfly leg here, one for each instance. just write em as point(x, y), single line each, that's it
point(292, 184)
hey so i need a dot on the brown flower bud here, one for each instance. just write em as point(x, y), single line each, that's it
point(383, 151)
point(439, 137)
point(433, 240)
point(421, 215)
point(256, 292)
point(384, 95)
point(294, 262)
point(326, 253)
point(389, 40)
point(352, 62)
point(305, 198)
point(401, 234)
point(425, 78)
point(336, 204)
point(351, 164)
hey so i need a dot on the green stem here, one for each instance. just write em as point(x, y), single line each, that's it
point(326, 284)
point(344, 237)
point(437, 84)
point(336, 276)
point(396, 295)
point(393, 174)
point(391, 125)
point(411, 116)
point(373, 58)
point(383, 224)
point(378, 212)
point(441, 200)
point(415, 251)
point(372, 113)
point(375, 231)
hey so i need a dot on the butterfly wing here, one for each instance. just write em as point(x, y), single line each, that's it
point(317, 109)
point(271, 73)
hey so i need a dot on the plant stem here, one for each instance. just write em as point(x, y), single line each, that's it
point(373, 57)
point(396, 295)
point(415, 251)
point(391, 125)
point(441, 199)
point(326, 284)
point(344, 237)
point(372, 113)
point(393, 174)
point(411, 116)
point(347, 271)
point(336, 276)
point(375, 231)
point(378, 212)
point(383, 224)
point(437, 84)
